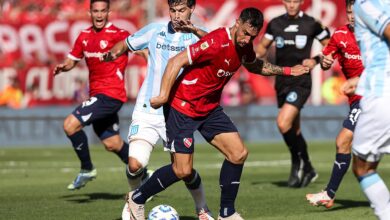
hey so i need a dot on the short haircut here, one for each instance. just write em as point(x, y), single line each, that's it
point(190, 3)
point(106, 1)
point(253, 16)
point(349, 2)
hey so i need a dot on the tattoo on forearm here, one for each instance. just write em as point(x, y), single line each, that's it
point(270, 69)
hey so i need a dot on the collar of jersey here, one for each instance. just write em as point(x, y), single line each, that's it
point(171, 30)
point(300, 14)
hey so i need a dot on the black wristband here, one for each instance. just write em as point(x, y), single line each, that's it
point(317, 59)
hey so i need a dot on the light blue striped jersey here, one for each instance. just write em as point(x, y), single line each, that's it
point(371, 18)
point(163, 43)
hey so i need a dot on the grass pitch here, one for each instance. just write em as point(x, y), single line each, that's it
point(33, 185)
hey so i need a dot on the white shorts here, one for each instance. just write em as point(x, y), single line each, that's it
point(371, 138)
point(147, 127)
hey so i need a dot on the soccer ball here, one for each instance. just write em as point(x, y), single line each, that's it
point(163, 212)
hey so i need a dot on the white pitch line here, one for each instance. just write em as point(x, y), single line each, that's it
point(20, 167)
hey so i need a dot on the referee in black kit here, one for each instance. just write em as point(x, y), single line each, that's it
point(293, 34)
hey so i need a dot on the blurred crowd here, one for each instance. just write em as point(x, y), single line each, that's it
point(28, 10)
point(243, 89)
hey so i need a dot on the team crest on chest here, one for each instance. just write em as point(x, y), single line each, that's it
point(204, 45)
point(103, 44)
point(187, 142)
point(300, 41)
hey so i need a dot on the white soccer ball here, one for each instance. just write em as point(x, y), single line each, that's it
point(163, 212)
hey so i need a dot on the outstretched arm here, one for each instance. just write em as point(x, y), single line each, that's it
point(187, 26)
point(170, 74)
point(117, 50)
point(267, 69)
point(67, 65)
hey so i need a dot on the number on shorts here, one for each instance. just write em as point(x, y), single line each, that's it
point(89, 102)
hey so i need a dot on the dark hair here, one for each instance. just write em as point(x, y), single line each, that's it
point(253, 16)
point(190, 3)
point(106, 1)
point(349, 2)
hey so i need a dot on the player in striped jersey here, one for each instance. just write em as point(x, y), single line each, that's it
point(163, 41)
point(372, 133)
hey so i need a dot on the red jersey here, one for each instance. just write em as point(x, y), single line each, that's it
point(104, 77)
point(347, 51)
point(214, 59)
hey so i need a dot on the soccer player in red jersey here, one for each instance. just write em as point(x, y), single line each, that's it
point(193, 104)
point(342, 46)
point(107, 91)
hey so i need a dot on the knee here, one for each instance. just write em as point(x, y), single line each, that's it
point(238, 157)
point(134, 165)
point(182, 172)
point(359, 171)
point(356, 171)
point(113, 146)
point(343, 146)
point(71, 125)
point(283, 125)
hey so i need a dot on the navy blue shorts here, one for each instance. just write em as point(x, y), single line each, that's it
point(102, 112)
point(353, 115)
point(181, 128)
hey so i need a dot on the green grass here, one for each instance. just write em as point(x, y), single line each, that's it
point(33, 185)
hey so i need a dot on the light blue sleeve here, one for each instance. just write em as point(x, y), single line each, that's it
point(375, 14)
point(140, 39)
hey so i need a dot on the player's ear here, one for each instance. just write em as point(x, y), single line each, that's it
point(238, 22)
point(192, 8)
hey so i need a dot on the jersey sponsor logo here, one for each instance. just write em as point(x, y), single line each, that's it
point(134, 129)
point(204, 45)
point(189, 82)
point(291, 28)
point(169, 47)
point(292, 96)
point(86, 117)
point(352, 56)
point(225, 45)
point(300, 41)
point(103, 44)
point(224, 73)
point(187, 142)
point(111, 31)
point(92, 54)
point(340, 31)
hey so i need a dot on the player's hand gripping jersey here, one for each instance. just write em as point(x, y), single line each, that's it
point(104, 77)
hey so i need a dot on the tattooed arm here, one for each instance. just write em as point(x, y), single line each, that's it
point(267, 69)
